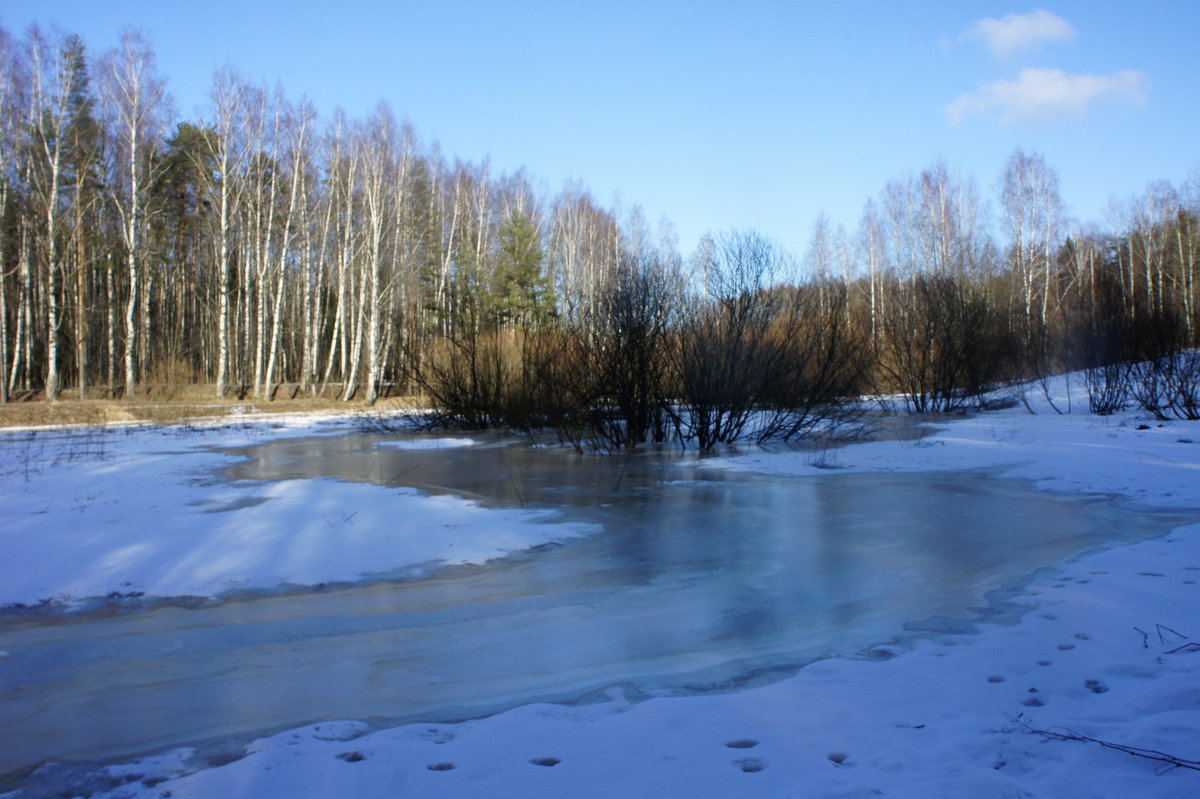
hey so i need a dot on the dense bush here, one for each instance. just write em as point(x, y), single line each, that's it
point(753, 359)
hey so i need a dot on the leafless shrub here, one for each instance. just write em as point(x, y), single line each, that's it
point(1184, 381)
point(505, 378)
point(1097, 340)
point(944, 345)
point(824, 364)
point(616, 365)
point(727, 351)
point(755, 358)
point(1165, 375)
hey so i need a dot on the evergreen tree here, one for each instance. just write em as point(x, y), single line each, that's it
point(81, 145)
point(180, 195)
point(522, 293)
point(83, 178)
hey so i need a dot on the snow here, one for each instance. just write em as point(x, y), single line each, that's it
point(1103, 649)
point(434, 443)
point(144, 511)
point(1134, 458)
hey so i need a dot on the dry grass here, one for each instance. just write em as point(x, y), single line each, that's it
point(178, 406)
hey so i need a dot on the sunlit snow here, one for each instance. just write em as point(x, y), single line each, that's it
point(1107, 648)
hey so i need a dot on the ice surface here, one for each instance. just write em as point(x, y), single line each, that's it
point(695, 586)
point(949, 717)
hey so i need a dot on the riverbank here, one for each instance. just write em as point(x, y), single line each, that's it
point(1106, 650)
point(140, 513)
point(185, 404)
point(954, 717)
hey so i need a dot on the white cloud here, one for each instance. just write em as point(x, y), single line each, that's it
point(1017, 32)
point(1044, 95)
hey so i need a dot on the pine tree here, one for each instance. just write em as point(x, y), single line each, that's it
point(82, 173)
point(181, 194)
point(522, 293)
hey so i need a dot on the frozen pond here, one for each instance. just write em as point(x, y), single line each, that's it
point(702, 580)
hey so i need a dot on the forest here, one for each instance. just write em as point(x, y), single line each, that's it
point(265, 249)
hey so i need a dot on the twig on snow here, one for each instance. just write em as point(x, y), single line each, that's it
point(1169, 761)
point(1190, 646)
point(1159, 629)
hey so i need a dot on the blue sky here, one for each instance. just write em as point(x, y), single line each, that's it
point(717, 115)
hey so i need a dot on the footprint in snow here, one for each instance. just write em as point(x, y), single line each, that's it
point(436, 735)
point(1066, 647)
point(750, 764)
point(440, 767)
point(545, 761)
point(995, 678)
point(1095, 686)
point(1045, 662)
point(742, 743)
point(1083, 636)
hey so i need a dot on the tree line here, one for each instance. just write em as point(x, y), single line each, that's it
point(264, 246)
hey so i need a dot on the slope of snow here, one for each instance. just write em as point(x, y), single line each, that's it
point(1128, 455)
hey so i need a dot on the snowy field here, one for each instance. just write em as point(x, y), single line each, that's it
point(1105, 651)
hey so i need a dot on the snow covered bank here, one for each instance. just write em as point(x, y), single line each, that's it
point(146, 511)
point(1130, 455)
point(947, 719)
point(1106, 651)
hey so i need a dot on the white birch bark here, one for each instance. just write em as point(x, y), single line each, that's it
point(49, 116)
point(227, 100)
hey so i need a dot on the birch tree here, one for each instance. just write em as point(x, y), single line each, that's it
point(872, 246)
point(580, 253)
point(135, 101)
point(1187, 245)
point(378, 154)
point(54, 73)
point(9, 110)
point(1153, 216)
point(341, 182)
point(227, 156)
point(1033, 213)
point(298, 133)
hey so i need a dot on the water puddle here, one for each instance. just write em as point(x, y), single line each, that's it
point(701, 580)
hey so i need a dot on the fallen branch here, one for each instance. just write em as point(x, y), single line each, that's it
point(1171, 761)
point(1161, 638)
point(1190, 646)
